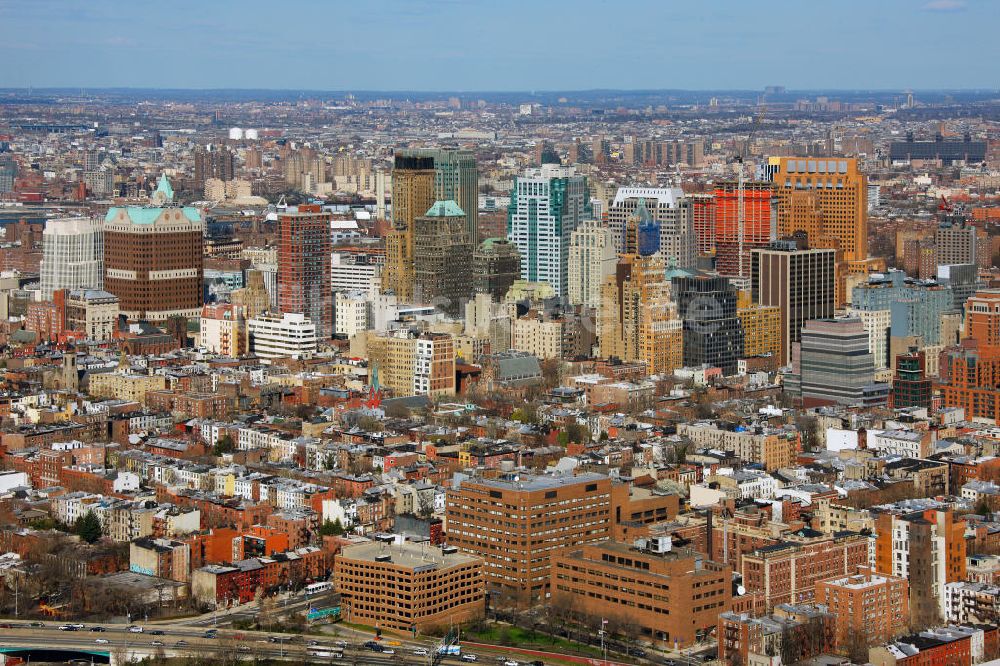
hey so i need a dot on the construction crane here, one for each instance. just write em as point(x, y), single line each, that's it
point(741, 182)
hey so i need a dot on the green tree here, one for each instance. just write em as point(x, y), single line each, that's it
point(88, 527)
point(224, 444)
point(331, 528)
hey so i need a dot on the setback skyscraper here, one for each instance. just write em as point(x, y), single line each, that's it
point(546, 206)
point(456, 178)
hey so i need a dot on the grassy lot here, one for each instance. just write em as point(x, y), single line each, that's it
point(527, 639)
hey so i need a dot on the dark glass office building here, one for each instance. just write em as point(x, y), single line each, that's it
point(713, 334)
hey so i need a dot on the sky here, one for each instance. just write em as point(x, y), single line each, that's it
point(498, 45)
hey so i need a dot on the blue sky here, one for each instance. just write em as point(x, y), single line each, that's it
point(500, 44)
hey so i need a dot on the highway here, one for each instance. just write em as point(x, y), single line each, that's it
point(117, 640)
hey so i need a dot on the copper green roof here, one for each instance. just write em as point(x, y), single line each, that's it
point(447, 208)
point(149, 214)
point(164, 188)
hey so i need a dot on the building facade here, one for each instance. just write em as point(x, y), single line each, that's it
point(546, 206)
point(800, 283)
point(304, 266)
point(153, 257)
point(72, 255)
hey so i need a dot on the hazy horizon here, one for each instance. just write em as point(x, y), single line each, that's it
point(520, 46)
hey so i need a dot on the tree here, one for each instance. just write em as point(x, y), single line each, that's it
point(397, 410)
point(223, 445)
point(88, 527)
point(331, 528)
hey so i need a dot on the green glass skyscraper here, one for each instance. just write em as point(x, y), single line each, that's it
point(456, 178)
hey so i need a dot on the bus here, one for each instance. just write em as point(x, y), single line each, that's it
point(318, 588)
point(325, 651)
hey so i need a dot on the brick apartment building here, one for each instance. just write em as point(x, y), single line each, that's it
point(787, 572)
point(869, 608)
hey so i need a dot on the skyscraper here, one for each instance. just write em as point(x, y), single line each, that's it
point(154, 257)
point(713, 333)
point(638, 321)
point(304, 266)
point(412, 196)
point(799, 282)
point(495, 265)
point(826, 198)
point(547, 205)
point(456, 178)
point(592, 258)
point(72, 255)
point(669, 209)
point(442, 266)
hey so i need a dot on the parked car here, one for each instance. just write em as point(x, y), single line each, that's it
point(469, 657)
point(102, 641)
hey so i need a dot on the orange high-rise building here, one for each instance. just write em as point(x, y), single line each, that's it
point(982, 319)
point(867, 606)
point(826, 198)
point(758, 225)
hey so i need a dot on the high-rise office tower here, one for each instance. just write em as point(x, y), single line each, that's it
point(835, 366)
point(412, 196)
point(442, 258)
point(154, 257)
point(547, 205)
point(637, 320)
point(799, 282)
point(592, 258)
point(304, 266)
point(496, 263)
point(713, 333)
point(72, 255)
point(213, 161)
point(826, 198)
point(456, 178)
point(955, 241)
point(758, 225)
point(669, 209)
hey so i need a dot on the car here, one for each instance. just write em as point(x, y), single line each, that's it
point(76, 625)
point(637, 652)
point(537, 663)
point(469, 657)
point(312, 643)
point(67, 627)
point(135, 629)
point(420, 652)
point(156, 632)
point(669, 662)
point(180, 644)
point(97, 629)
point(210, 634)
point(372, 645)
point(386, 650)
point(157, 643)
point(244, 648)
point(6, 625)
point(510, 662)
point(36, 624)
point(102, 641)
point(340, 644)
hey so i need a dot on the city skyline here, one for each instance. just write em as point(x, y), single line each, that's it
point(465, 47)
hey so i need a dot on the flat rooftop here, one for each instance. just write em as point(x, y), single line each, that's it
point(419, 557)
point(536, 481)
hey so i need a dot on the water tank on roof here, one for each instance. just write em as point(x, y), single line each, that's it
point(235, 133)
point(251, 134)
